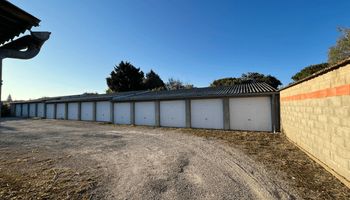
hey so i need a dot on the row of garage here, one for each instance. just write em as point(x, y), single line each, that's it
point(194, 108)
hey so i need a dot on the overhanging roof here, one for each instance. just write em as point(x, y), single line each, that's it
point(14, 21)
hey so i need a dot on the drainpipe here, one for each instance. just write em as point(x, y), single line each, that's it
point(13, 51)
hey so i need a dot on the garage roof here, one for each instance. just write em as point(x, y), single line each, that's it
point(92, 97)
point(14, 21)
point(252, 89)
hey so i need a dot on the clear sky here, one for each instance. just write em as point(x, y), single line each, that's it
point(196, 41)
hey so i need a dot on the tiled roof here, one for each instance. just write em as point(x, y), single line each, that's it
point(14, 21)
point(235, 90)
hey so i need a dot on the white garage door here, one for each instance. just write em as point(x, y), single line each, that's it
point(60, 111)
point(32, 108)
point(173, 113)
point(73, 111)
point(41, 110)
point(50, 111)
point(250, 113)
point(18, 110)
point(122, 113)
point(145, 113)
point(87, 111)
point(25, 110)
point(207, 113)
point(103, 111)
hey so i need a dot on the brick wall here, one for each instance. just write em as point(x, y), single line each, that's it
point(315, 114)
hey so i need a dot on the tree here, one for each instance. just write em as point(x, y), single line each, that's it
point(309, 70)
point(250, 77)
point(225, 82)
point(341, 50)
point(109, 91)
point(176, 84)
point(125, 77)
point(153, 81)
point(9, 98)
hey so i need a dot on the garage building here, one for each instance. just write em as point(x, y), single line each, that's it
point(250, 107)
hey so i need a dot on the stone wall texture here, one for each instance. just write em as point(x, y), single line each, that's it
point(315, 114)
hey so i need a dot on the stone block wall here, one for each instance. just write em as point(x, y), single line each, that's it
point(315, 114)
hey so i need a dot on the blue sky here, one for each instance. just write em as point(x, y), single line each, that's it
point(196, 41)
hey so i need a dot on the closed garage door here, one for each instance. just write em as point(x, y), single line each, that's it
point(32, 108)
point(18, 110)
point(50, 113)
point(73, 111)
point(173, 113)
point(41, 110)
point(25, 110)
point(87, 111)
point(145, 113)
point(103, 111)
point(122, 113)
point(61, 110)
point(207, 113)
point(250, 113)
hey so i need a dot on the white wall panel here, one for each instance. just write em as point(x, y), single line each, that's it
point(18, 110)
point(60, 111)
point(207, 113)
point(173, 113)
point(73, 111)
point(50, 113)
point(145, 113)
point(87, 111)
point(250, 113)
point(122, 113)
point(41, 110)
point(25, 110)
point(103, 111)
point(32, 110)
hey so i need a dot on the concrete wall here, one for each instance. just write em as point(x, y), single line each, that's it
point(315, 114)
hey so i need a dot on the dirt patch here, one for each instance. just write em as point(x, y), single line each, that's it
point(292, 165)
point(41, 174)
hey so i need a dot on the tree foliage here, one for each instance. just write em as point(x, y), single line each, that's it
point(341, 50)
point(5, 110)
point(309, 70)
point(125, 77)
point(250, 77)
point(176, 84)
point(153, 81)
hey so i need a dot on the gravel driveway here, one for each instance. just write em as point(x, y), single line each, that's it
point(125, 162)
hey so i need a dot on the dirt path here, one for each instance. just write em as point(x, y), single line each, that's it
point(122, 162)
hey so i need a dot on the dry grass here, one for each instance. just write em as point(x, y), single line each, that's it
point(39, 175)
point(275, 152)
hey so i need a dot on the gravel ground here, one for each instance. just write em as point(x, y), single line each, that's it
point(84, 160)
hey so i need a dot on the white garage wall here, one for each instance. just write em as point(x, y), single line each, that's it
point(60, 111)
point(250, 113)
point(32, 108)
point(207, 113)
point(103, 111)
point(173, 113)
point(18, 110)
point(145, 113)
point(41, 110)
point(87, 111)
point(73, 111)
point(122, 113)
point(50, 111)
point(25, 110)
